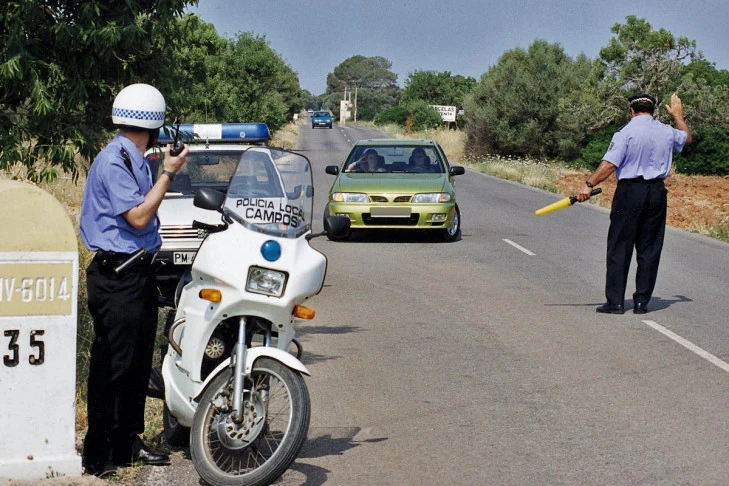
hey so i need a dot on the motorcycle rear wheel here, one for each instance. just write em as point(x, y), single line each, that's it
point(259, 449)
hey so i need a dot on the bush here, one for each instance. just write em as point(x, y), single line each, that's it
point(708, 153)
point(424, 116)
point(395, 114)
point(415, 116)
point(593, 152)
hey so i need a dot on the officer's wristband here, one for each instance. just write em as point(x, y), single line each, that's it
point(169, 174)
point(589, 184)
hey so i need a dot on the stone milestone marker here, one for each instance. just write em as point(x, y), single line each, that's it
point(38, 315)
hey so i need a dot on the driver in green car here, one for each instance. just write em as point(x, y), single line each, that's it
point(419, 162)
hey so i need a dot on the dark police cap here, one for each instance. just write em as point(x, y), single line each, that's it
point(642, 98)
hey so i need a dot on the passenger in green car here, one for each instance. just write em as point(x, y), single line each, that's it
point(368, 163)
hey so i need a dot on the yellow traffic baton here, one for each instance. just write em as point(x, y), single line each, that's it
point(563, 203)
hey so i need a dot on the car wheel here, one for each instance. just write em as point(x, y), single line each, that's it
point(335, 238)
point(330, 126)
point(454, 233)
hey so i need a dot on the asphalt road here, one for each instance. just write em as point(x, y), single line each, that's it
point(483, 361)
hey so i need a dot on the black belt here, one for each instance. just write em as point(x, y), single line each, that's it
point(657, 180)
point(112, 259)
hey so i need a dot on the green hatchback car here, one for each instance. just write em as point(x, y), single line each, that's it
point(397, 184)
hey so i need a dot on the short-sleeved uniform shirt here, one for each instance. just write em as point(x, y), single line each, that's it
point(644, 147)
point(111, 190)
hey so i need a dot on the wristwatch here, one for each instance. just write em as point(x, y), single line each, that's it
point(589, 184)
point(169, 174)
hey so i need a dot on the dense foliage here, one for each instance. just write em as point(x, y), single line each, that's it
point(62, 62)
point(414, 115)
point(514, 107)
point(541, 103)
point(437, 88)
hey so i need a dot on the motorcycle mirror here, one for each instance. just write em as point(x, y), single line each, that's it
point(209, 199)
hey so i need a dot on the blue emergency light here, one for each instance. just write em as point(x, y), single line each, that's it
point(216, 133)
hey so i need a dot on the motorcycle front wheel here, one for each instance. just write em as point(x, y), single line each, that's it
point(259, 448)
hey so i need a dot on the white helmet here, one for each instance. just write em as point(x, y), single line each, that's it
point(139, 105)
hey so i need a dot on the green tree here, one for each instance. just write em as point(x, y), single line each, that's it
point(61, 63)
point(636, 59)
point(513, 109)
point(437, 88)
point(235, 80)
point(370, 77)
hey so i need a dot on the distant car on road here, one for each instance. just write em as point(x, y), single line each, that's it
point(321, 119)
point(396, 184)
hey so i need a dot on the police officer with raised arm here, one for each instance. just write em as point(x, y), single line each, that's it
point(640, 155)
point(119, 217)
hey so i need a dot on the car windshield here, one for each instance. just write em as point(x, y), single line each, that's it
point(212, 169)
point(321, 113)
point(407, 159)
point(272, 192)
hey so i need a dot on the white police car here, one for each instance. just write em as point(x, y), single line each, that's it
point(214, 152)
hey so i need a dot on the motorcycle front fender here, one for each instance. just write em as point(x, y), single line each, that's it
point(252, 354)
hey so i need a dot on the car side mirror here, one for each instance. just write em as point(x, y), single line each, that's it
point(456, 170)
point(209, 199)
point(332, 169)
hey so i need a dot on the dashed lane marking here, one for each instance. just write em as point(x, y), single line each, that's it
point(689, 345)
point(518, 247)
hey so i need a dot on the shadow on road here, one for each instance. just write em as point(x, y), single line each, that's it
point(395, 236)
point(655, 304)
point(329, 444)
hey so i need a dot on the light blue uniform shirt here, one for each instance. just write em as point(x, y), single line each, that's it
point(644, 147)
point(110, 191)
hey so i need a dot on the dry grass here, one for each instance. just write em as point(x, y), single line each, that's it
point(285, 137)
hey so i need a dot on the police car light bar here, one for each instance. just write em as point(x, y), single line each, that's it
point(217, 132)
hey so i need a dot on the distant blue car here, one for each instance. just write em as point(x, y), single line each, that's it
point(321, 119)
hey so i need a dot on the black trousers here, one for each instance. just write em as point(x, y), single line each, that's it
point(637, 219)
point(124, 310)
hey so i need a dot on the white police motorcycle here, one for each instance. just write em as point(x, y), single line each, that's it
point(229, 372)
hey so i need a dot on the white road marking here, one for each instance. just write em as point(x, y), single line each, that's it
point(689, 345)
point(518, 247)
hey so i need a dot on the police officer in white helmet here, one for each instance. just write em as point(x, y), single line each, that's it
point(118, 217)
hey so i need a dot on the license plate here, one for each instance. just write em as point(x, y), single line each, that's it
point(390, 212)
point(183, 257)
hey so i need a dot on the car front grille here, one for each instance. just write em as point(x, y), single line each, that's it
point(376, 198)
point(181, 232)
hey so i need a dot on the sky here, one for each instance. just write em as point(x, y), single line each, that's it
point(463, 37)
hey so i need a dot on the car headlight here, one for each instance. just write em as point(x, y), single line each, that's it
point(432, 197)
point(349, 197)
point(266, 281)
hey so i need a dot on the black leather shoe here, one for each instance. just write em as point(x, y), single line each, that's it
point(640, 308)
point(609, 308)
point(142, 454)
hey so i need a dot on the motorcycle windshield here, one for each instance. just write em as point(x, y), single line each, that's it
point(272, 192)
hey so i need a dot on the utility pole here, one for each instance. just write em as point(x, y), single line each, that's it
point(355, 103)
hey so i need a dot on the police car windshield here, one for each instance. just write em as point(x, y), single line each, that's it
point(272, 192)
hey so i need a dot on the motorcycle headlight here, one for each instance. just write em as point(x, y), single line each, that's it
point(349, 197)
point(266, 281)
point(432, 197)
